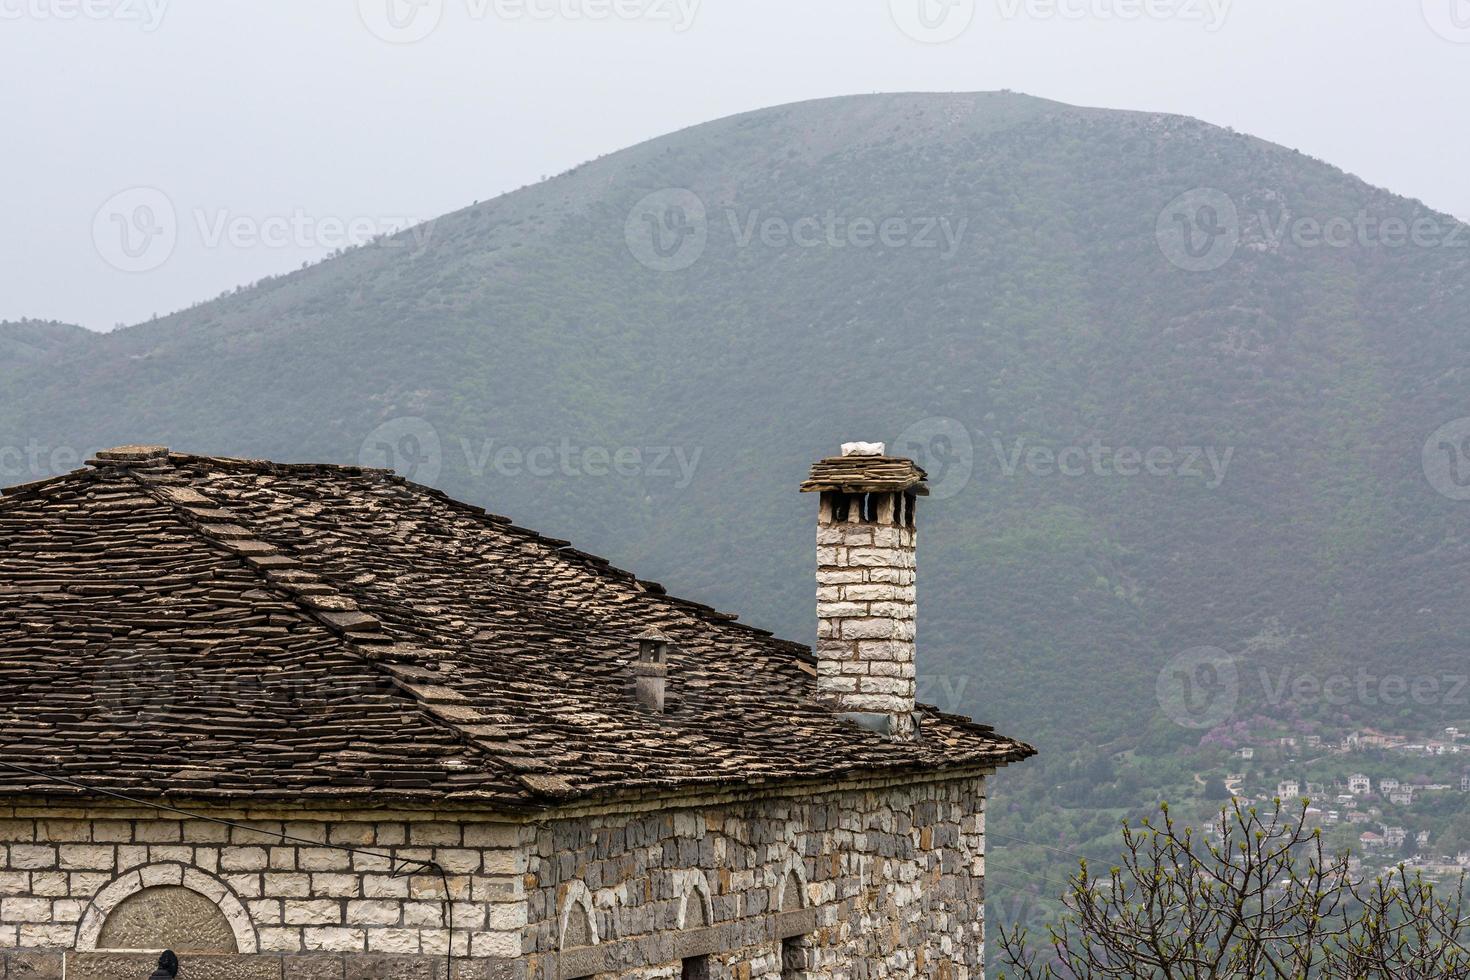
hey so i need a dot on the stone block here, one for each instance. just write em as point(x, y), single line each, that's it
point(374, 912)
point(311, 912)
point(388, 967)
point(335, 886)
point(286, 885)
point(64, 831)
point(323, 859)
point(317, 966)
point(158, 832)
point(35, 965)
point(243, 859)
point(278, 940)
point(17, 831)
point(393, 940)
point(40, 857)
point(16, 910)
point(435, 835)
point(333, 939)
point(87, 857)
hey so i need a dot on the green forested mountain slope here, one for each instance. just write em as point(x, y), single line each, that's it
point(34, 339)
point(1049, 602)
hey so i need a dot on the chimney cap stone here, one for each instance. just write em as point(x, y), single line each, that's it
point(867, 474)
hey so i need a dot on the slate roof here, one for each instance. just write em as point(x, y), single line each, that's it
point(866, 474)
point(229, 629)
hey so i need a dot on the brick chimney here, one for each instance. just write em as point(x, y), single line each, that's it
point(866, 607)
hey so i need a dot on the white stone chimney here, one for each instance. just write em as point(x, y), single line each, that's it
point(866, 608)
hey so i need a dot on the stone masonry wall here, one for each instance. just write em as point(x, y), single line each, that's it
point(866, 607)
point(63, 870)
point(889, 881)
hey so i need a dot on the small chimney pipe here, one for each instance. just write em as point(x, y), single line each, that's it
point(651, 672)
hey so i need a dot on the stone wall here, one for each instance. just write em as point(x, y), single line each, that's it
point(64, 871)
point(882, 882)
point(885, 879)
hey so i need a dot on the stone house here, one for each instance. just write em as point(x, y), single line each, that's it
point(298, 721)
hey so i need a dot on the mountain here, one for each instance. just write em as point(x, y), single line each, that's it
point(1237, 352)
point(31, 340)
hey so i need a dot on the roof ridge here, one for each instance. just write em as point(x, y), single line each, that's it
point(242, 464)
point(415, 672)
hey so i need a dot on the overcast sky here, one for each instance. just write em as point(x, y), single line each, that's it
point(274, 130)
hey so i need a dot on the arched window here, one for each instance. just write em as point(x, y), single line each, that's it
point(578, 926)
point(167, 906)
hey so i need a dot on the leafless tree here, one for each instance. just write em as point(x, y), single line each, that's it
point(1259, 897)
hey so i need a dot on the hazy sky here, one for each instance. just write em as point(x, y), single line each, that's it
point(276, 130)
